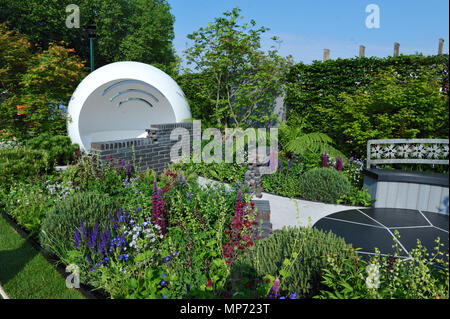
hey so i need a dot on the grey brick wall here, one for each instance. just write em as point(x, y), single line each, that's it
point(152, 152)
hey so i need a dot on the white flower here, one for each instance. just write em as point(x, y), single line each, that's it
point(372, 282)
point(418, 151)
point(403, 150)
point(390, 151)
point(433, 151)
point(373, 269)
point(377, 152)
point(373, 278)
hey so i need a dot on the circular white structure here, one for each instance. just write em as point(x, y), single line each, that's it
point(121, 100)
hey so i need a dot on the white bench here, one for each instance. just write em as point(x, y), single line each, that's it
point(408, 189)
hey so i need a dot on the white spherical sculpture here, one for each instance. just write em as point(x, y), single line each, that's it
point(121, 100)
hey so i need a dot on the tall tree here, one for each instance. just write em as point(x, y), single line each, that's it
point(239, 79)
point(139, 30)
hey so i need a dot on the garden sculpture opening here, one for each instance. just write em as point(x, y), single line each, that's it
point(121, 100)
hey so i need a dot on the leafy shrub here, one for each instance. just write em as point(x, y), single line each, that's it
point(59, 147)
point(28, 205)
point(90, 175)
point(223, 172)
point(357, 197)
point(324, 185)
point(305, 272)
point(19, 164)
point(64, 218)
point(284, 181)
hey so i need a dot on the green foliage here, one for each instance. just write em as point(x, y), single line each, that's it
point(223, 172)
point(391, 106)
point(59, 147)
point(64, 218)
point(423, 276)
point(324, 185)
point(20, 164)
point(357, 197)
point(303, 273)
point(295, 141)
point(14, 58)
point(90, 175)
point(237, 78)
point(192, 85)
point(284, 181)
point(313, 90)
point(42, 82)
point(137, 30)
point(28, 205)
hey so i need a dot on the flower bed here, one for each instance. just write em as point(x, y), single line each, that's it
point(138, 235)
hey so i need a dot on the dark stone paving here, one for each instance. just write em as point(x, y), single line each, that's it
point(374, 227)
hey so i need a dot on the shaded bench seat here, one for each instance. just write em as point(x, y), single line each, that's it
point(424, 191)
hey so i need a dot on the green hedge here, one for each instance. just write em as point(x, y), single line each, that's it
point(313, 90)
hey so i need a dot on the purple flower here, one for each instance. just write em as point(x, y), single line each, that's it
point(82, 229)
point(76, 238)
point(274, 290)
point(339, 163)
point(324, 159)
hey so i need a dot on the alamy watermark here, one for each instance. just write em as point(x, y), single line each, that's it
point(73, 279)
point(73, 19)
point(235, 145)
point(373, 19)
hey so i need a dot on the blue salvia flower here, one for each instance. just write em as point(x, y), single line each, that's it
point(95, 231)
point(91, 240)
point(189, 195)
point(82, 229)
point(293, 295)
point(289, 166)
point(105, 238)
point(76, 238)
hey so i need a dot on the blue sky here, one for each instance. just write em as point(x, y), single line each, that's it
point(306, 27)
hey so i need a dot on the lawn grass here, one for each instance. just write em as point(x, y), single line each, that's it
point(25, 273)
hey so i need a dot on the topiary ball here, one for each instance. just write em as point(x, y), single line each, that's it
point(324, 185)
